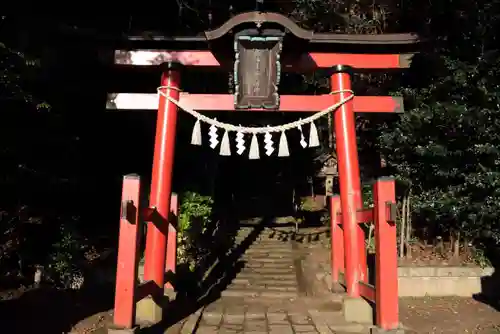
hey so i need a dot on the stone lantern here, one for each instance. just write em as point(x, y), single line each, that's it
point(328, 172)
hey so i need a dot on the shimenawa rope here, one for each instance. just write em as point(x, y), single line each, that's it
point(258, 130)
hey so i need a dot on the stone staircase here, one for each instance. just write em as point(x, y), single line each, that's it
point(268, 271)
point(269, 293)
point(266, 295)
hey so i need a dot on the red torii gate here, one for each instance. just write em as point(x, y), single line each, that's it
point(254, 35)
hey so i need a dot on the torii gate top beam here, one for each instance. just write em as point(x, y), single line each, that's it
point(258, 46)
point(261, 18)
point(302, 49)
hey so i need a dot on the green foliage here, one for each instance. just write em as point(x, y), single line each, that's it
point(194, 207)
point(480, 258)
point(367, 195)
point(194, 219)
point(67, 256)
point(16, 71)
point(447, 143)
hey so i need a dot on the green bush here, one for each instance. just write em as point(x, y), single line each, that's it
point(194, 220)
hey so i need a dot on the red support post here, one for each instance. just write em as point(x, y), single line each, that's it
point(171, 258)
point(161, 183)
point(386, 262)
point(350, 183)
point(337, 239)
point(128, 244)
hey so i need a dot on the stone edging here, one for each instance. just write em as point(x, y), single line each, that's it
point(445, 271)
point(437, 281)
point(445, 281)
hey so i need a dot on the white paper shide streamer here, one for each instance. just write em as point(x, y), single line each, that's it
point(253, 152)
point(268, 140)
point(212, 133)
point(303, 142)
point(240, 142)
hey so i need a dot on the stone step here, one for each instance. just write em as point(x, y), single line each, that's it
point(269, 249)
point(253, 293)
point(257, 264)
point(266, 258)
point(284, 277)
point(336, 322)
point(260, 241)
point(266, 254)
point(274, 286)
point(277, 272)
point(292, 282)
point(264, 235)
point(266, 251)
point(276, 251)
point(271, 258)
point(263, 245)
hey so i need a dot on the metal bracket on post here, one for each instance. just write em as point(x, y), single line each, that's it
point(392, 210)
point(125, 209)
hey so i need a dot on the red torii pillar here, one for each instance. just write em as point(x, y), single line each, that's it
point(161, 185)
point(349, 179)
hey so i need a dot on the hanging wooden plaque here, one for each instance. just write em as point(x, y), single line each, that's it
point(257, 71)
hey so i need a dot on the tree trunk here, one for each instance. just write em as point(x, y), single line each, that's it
point(402, 229)
point(451, 240)
point(466, 251)
point(456, 246)
point(408, 226)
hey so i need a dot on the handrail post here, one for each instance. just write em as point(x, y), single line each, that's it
point(386, 262)
point(128, 247)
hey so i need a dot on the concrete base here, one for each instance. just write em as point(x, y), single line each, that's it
point(114, 330)
point(337, 288)
point(170, 293)
point(148, 311)
point(447, 281)
point(376, 330)
point(357, 310)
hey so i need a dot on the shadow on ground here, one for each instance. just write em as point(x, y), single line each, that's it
point(225, 263)
point(490, 294)
point(58, 311)
point(50, 310)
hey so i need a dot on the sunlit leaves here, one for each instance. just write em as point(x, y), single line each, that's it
point(16, 71)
